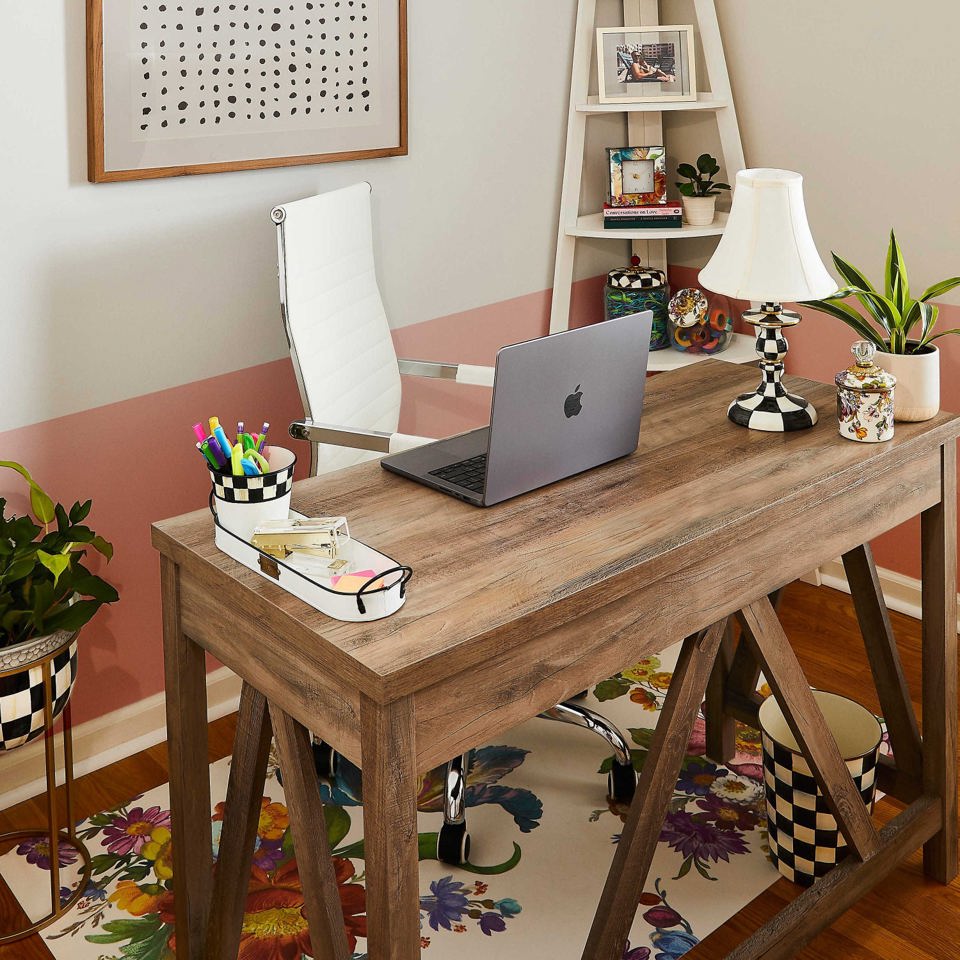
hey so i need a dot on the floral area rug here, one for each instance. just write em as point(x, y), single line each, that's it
point(543, 836)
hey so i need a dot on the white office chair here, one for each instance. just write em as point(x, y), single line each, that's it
point(349, 379)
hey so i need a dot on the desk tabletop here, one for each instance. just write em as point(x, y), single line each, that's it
point(484, 578)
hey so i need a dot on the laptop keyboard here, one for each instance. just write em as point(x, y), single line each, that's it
point(470, 474)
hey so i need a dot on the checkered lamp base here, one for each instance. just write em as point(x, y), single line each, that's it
point(805, 842)
point(21, 698)
point(770, 407)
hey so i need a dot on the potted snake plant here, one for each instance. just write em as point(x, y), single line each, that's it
point(46, 596)
point(901, 326)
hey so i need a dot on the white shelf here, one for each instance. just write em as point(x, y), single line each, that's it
point(742, 350)
point(704, 101)
point(591, 225)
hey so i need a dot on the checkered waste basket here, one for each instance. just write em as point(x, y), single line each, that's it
point(805, 841)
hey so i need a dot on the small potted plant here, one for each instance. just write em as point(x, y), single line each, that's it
point(901, 326)
point(699, 194)
point(46, 596)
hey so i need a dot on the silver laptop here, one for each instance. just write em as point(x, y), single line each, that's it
point(561, 404)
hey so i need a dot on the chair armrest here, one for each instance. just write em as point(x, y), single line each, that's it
point(459, 372)
point(353, 438)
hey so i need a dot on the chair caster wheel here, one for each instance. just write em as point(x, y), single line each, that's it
point(325, 759)
point(453, 844)
point(621, 783)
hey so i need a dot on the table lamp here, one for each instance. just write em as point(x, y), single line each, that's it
point(767, 255)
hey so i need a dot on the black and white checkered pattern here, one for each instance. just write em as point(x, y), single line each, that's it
point(805, 842)
point(269, 486)
point(636, 278)
point(21, 698)
point(770, 407)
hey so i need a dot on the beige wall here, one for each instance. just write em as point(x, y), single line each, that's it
point(860, 96)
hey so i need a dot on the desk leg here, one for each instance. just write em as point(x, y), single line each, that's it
point(388, 752)
point(186, 698)
point(938, 527)
point(641, 832)
point(241, 816)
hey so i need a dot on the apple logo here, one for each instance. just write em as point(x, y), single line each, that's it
point(572, 405)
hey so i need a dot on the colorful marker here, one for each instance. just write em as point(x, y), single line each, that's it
point(205, 450)
point(236, 460)
point(214, 423)
point(225, 445)
point(210, 444)
point(198, 430)
point(263, 437)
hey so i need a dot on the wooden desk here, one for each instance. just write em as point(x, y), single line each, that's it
point(516, 608)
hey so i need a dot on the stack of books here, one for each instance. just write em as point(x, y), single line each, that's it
point(658, 216)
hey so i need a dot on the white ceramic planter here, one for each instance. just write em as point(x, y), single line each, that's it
point(21, 688)
point(917, 396)
point(699, 211)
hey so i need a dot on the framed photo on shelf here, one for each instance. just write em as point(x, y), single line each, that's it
point(638, 176)
point(180, 88)
point(646, 64)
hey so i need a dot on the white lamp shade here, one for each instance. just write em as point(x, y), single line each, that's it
point(767, 253)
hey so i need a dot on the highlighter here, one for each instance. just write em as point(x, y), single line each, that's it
point(214, 423)
point(249, 467)
point(236, 459)
point(218, 454)
point(225, 445)
point(198, 430)
point(205, 450)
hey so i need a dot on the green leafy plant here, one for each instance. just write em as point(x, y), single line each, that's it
point(700, 178)
point(895, 315)
point(44, 586)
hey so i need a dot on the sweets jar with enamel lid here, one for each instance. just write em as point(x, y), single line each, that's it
point(865, 398)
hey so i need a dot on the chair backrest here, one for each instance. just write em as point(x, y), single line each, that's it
point(337, 328)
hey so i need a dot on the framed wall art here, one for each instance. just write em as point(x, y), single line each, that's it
point(176, 87)
point(646, 64)
point(638, 176)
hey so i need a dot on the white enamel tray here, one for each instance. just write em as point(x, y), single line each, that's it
point(307, 578)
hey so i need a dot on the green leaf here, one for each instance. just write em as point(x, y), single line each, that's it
point(687, 170)
point(74, 617)
point(641, 736)
point(706, 164)
point(851, 274)
point(40, 503)
point(897, 285)
point(102, 862)
point(939, 289)
point(946, 333)
point(883, 310)
point(612, 689)
point(850, 317)
point(102, 546)
point(79, 511)
point(92, 586)
point(684, 869)
point(56, 563)
point(338, 823)
point(687, 189)
point(721, 186)
point(929, 312)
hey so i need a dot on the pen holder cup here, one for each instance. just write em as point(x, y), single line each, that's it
point(243, 503)
point(805, 840)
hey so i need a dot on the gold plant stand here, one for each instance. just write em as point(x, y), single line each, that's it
point(55, 835)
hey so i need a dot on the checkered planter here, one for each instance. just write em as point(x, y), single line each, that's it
point(21, 693)
point(805, 841)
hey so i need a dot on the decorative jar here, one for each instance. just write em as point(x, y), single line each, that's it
point(634, 289)
point(694, 327)
point(865, 398)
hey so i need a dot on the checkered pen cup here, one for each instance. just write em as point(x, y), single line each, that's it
point(805, 841)
point(243, 503)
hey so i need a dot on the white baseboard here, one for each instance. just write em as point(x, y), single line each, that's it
point(901, 593)
point(100, 742)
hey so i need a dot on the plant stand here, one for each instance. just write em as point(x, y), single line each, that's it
point(54, 834)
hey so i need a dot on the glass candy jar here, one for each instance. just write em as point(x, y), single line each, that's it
point(636, 288)
point(694, 328)
point(865, 398)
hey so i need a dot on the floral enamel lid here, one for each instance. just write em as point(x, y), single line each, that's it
point(865, 376)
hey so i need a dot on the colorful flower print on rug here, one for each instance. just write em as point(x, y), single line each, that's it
point(488, 765)
point(128, 904)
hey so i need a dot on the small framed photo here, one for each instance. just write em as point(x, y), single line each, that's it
point(638, 176)
point(646, 64)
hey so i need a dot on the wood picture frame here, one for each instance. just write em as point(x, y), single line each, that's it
point(265, 78)
point(655, 64)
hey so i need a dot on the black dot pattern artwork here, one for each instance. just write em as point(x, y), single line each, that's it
point(248, 67)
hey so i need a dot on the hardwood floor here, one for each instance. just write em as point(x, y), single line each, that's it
point(906, 917)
